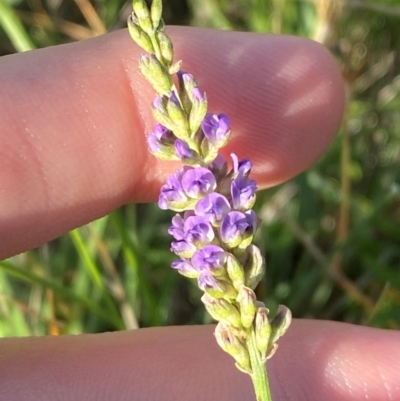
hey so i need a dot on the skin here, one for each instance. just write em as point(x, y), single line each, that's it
point(72, 128)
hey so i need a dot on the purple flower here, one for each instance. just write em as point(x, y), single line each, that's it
point(237, 227)
point(183, 248)
point(185, 267)
point(207, 281)
point(216, 129)
point(243, 193)
point(176, 230)
point(241, 168)
point(242, 188)
point(198, 231)
point(214, 207)
point(198, 182)
point(159, 137)
point(209, 258)
point(183, 150)
point(172, 194)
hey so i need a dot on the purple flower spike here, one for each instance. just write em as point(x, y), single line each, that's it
point(214, 207)
point(183, 150)
point(198, 231)
point(172, 193)
point(198, 182)
point(216, 128)
point(209, 258)
point(238, 227)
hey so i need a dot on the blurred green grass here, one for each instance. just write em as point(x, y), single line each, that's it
point(331, 235)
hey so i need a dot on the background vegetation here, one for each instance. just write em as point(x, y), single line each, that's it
point(332, 234)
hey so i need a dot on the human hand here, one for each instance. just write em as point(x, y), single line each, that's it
point(73, 122)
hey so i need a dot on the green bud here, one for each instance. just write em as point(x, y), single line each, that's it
point(185, 87)
point(235, 271)
point(142, 12)
point(247, 239)
point(208, 151)
point(225, 290)
point(231, 344)
point(167, 49)
point(254, 266)
point(222, 310)
point(156, 74)
point(197, 113)
point(280, 323)
point(182, 206)
point(175, 67)
point(161, 26)
point(167, 152)
point(179, 118)
point(159, 108)
point(139, 36)
point(247, 301)
point(156, 12)
point(263, 330)
point(189, 274)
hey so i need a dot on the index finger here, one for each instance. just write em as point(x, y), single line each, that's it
point(74, 119)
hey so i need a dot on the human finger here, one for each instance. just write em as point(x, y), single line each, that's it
point(315, 361)
point(74, 118)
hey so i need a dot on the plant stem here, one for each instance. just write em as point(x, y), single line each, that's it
point(259, 375)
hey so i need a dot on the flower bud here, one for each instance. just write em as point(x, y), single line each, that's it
point(235, 271)
point(224, 290)
point(178, 117)
point(185, 268)
point(159, 143)
point(222, 310)
point(183, 248)
point(156, 74)
point(160, 114)
point(167, 49)
point(263, 330)
point(237, 229)
point(139, 36)
point(172, 195)
point(186, 85)
point(185, 153)
point(143, 15)
point(229, 342)
point(198, 110)
point(208, 151)
point(156, 12)
point(216, 129)
point(175, 67)
point(247, 301)
point(280, 323)
point(254, 267)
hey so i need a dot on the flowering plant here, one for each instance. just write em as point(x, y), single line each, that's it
point(213, 237)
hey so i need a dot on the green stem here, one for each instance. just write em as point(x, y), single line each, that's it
point(259, 375)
